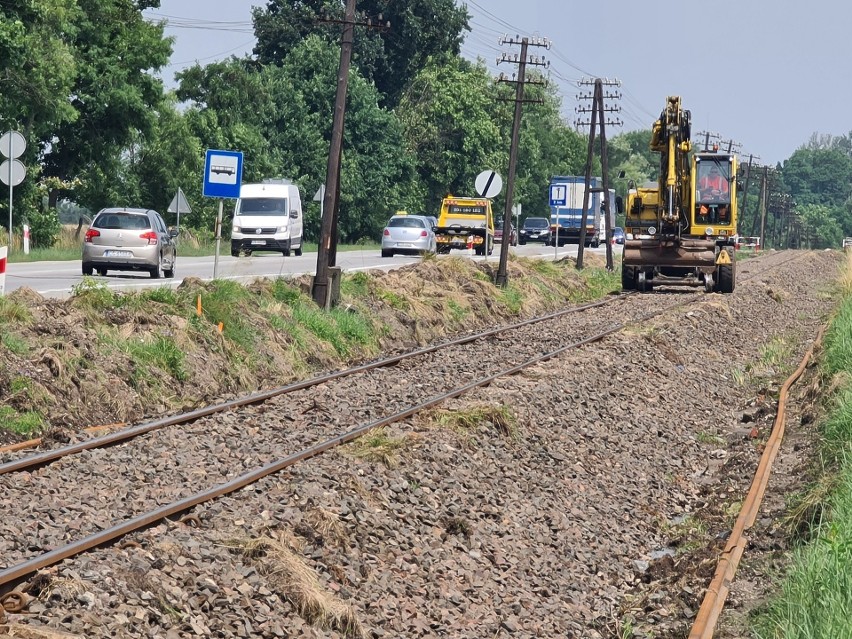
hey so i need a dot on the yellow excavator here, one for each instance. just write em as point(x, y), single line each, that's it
point(681, 231)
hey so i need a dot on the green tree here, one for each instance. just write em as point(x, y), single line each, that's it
point(114, 95)
point(819, 176)
point(420, 29)
point(449, 128)
point(820, 228)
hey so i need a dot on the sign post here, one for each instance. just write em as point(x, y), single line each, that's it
point(319, 196)
point(12, 172)
point(223, 176)
point(179, 204)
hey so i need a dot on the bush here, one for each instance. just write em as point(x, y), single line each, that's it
point(44, 227)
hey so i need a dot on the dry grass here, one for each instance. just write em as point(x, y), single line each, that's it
point(326, 524)
point(845, 279)
point(499, 417)
point(378, 446)
point(294, 580)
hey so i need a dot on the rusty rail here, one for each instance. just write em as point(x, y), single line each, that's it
point(714, 598)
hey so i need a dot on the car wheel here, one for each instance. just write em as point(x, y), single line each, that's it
point(386, 253)
point(286, 252)
point(298, 251)
point(235, 253)
point(170, 272)
point(157, 271)
point(102, 272)
point(87, 269)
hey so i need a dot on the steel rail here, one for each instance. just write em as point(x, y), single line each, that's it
point(40, 459)
point(14, 574)
point(716, 593)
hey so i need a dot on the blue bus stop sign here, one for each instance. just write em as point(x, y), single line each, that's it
point(223, 174)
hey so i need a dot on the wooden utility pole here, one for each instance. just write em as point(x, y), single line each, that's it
point(321, 287)
point(597, 111)
point(763, 186)
point(327, 250)
point(502, 278)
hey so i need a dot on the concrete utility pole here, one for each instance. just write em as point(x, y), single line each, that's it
point(502, 278)
point(323, 288)
point(597, 110)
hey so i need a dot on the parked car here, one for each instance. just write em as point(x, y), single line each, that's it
point(498, 233)
point(535, 229)
point(122, 239)
point(618, 235)
point(408, 234)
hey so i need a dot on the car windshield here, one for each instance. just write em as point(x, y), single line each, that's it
point(122, 221)
point(406, 222)
point(536, 223)
point(262, 206)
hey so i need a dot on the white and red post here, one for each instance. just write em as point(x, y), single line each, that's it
point(3, 252)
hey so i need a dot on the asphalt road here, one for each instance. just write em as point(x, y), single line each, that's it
point(57, 279)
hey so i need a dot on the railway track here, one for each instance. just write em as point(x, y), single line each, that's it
point(318, 415)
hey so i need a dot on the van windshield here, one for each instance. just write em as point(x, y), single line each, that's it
point(262, 206)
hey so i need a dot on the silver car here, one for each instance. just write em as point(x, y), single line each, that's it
point(408, 234)
point(129, 240)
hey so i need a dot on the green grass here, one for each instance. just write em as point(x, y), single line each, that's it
point(815, 597)
point(25, 423)
point(340, 328)
point(14, 343)
point(14, 313)
point(225, 302)
point(512, 298)
point(94, 295)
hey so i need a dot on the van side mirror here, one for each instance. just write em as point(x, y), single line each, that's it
point(294, 214)
point(619, 204)
point(173, 232)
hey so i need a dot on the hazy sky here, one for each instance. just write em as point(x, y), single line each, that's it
point(767, 74)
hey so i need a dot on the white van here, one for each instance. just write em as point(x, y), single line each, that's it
point(268, 217)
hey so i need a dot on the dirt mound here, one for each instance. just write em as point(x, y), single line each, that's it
point(102, 357)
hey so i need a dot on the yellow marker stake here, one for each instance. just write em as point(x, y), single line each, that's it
point(198, 306)
point(221, 326)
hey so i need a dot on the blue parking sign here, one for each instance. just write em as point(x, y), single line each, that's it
point(223, 174)
point(558, 195)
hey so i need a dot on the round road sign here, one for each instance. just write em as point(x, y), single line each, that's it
point(488, 184)
point(18, 172)
point(12, 145)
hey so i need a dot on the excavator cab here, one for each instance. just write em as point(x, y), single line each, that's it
point(713, 192)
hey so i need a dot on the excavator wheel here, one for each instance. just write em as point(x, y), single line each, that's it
point(726, 276)
point(628, 278)
point(725, 279)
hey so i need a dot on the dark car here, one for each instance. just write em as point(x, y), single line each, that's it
point(618, 235)
point(535, 229)
point(498, 233)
